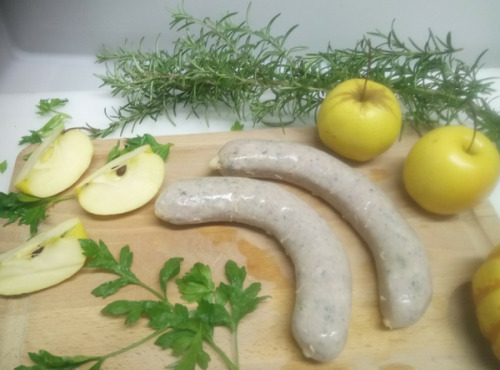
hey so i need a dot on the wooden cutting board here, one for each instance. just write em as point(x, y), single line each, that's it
point(66, 319)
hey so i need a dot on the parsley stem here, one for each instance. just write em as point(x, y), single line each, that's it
point(133, 345)
point(154, 292)
point(222, 354)
point(236, 347)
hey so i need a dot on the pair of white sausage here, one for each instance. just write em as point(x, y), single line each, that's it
point(403, 271)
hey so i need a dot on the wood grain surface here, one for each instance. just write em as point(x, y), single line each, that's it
point(66, 318)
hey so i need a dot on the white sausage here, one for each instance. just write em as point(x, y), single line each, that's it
point(404, 278)
point(323, 281)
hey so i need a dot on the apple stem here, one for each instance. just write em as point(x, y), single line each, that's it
point(364, 90)
point(469, 149)
point(368, 69)
point(474, 122)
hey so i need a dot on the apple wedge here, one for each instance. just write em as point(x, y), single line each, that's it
point(56, 164)
point(43, 261)
point(124, 184)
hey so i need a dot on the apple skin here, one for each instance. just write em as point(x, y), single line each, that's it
point(443, 177)
point(28, 268)
point(357, 125)
point(124, 184)
point(56, 164)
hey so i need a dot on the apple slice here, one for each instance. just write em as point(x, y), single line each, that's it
point(124, 184)
point(56, 164)
point(43, 261)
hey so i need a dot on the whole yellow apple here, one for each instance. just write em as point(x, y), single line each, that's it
point(359, 119)
point(451, 169)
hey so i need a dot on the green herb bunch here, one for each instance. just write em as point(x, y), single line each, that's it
point(184, 331)
point(253, 72)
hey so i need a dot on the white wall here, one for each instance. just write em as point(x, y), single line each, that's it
point(82, 26)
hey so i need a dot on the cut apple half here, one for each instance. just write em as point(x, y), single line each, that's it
point(43, 261)
point(56, 164)
point(124, 184)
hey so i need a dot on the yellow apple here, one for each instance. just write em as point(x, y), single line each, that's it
point(43, 261)
point(56, 164)
point(445, 174)
point(124, 184)
point(359, 119)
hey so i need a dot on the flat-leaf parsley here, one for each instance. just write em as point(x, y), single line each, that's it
point(185, 331)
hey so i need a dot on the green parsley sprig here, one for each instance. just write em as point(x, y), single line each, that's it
point(27, 209)
point(52, 105)
point(46, 106)
point(162, 150)
point(184, 331)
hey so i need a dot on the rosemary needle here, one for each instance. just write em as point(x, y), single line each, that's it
point(254, 74)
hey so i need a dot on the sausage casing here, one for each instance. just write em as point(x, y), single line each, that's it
point(403, 271)
point(322, 273)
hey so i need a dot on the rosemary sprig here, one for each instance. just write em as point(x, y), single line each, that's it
point(254, 73)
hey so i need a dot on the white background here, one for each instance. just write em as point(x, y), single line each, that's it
point(47, 48)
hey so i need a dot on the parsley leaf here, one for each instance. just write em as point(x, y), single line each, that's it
point(46, 360)
point(162, 150)
point(188, 343)
point(237, 126)
point(34, 138)
point(170, 269)
point(48, 105)
point(29, 210)
point(101, 257)
point(214, 314)
point(37, 136)
point(3, 166)
point(163, 316)
point(132, 309)
point(197, 284)
point(243, 301)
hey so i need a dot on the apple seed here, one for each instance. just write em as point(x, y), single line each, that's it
point(37, 252)
point(121, 170)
